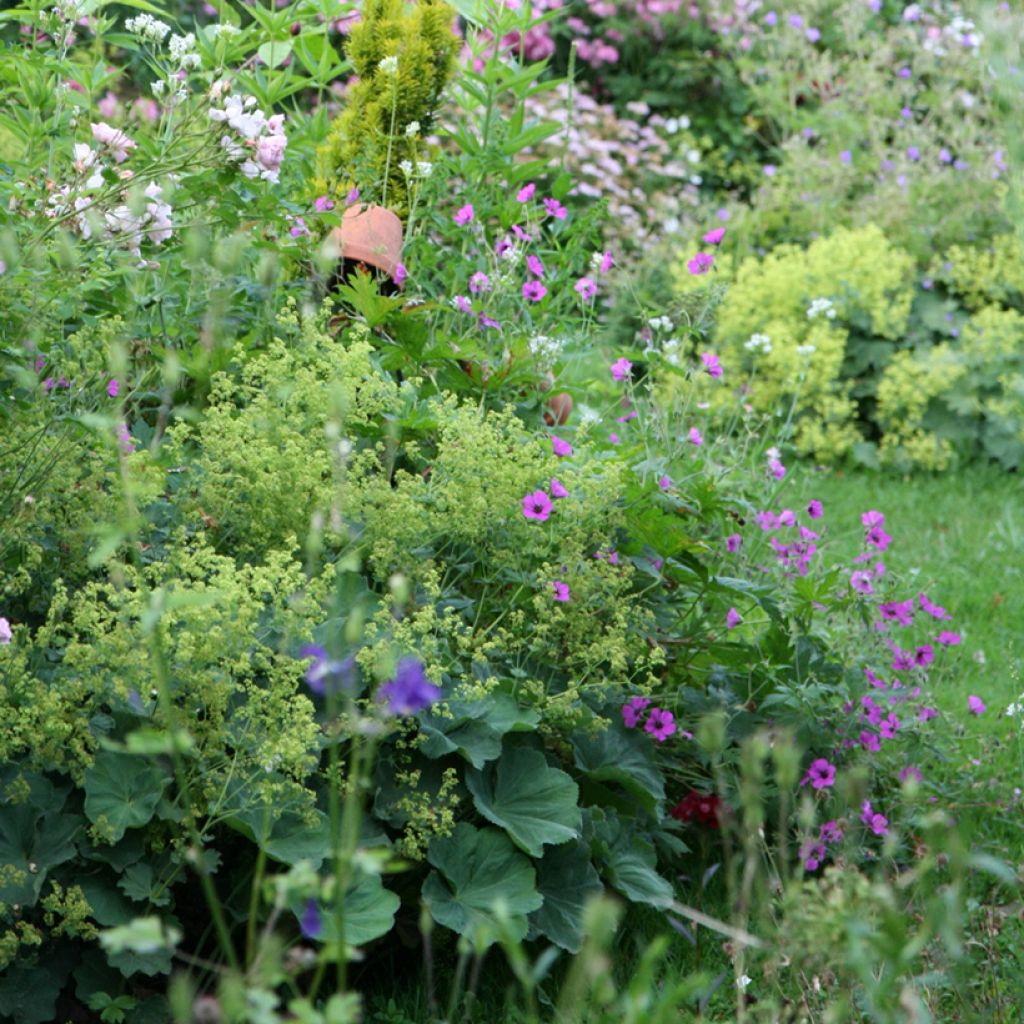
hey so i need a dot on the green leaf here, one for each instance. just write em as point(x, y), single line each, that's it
point(566, 880)
point(122, 792)
point(474, 728)
point(34, 836)
point(109, 907)
point(370, 910)
point(535, 803)
point(287, 837)
point(275, 53)
point(625, 758)
point(478, 870)
point(137, 883)
point(143, 945)
point(631, 867)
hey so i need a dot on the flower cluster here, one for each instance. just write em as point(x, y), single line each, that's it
point(257, 142)
point(704, 808)
point(660, 723)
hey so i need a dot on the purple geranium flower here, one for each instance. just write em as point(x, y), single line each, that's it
point(324, 673)
point(660, 724)
point(310, 924)
point(633, 709)
point(821, 774)
point(410, 691)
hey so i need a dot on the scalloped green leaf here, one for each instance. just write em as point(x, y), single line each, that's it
point(536, 804)
point(122, 791)
point(479, 870)
point(625, 758)
point(566, 879)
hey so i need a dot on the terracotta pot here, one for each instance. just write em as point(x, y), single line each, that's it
point(559, 408)
point(370, 235)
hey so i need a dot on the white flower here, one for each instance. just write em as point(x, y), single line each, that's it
point(758, 343)
point(412, 129)
point(158, 88)
point(772, 453)
point(423, 168)
point(389, 65)
point(693, 156)
point(819, 306)
point(224, 30)
point(405, 166)
point(181, 46)
point(806, 350)
point(147, 27)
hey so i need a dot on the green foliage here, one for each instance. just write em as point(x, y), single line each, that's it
point(372, 137)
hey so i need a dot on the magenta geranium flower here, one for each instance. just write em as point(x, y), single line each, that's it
point(322, 204)
point(537, 505)
point(975, 705)
point(872, 518)
point(620, 368)
point(711, 364)
point(6, 634)
point(911, 772)
point(732, 618)
point(776, 469)
point(877, 538)
point(926, 714)
point(464, 214)
point(870, 742)
point(400, 274)
point(700, 264)
point(557, 490)
point(113, 388)
point(694, 437)
point(898, 611)
point(821, 774)
point(607, 262)
point(664, 483)
point(714, 236)
point(860, 580)
point(561, 590)
point(878, 823)
point(660, 724)
point(462, 304)
point(924, 655)
point(733, 542)
point(585, 288)
point(555, 209)
point(888, 726)
point(948, 639)
point(525, 194)
point(534, 291)
point(633, 710)
point(561, 448)
point(814, 509)
point(934, 610)
point(479, 282)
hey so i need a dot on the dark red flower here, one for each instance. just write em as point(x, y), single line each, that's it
point(705, 808)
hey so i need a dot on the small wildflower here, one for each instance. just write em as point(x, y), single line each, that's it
point(975, 705)
point(534, 265)
point(660, 724)
point(861, 582)
point(561, 448)
point(821, 774)
point(534, 291)
point(410, 691)
point(878, 823)
point(711, 364)
point(462, 304)
point(633, 709)
point(911, 772)
point(537, 505)
point(464, 214)
point(561, 590)
point(6, 635)
point(733, 618)
point(400, 274)
point(694, 437)
point(525, 194)
point(324, 673)
point(586, 288)
point(479, 282)
point(664, 483)
point(389, 65)
point(557, 489)
point(714, 236)
point(948, 639)
point(113, 388)
point(814, 509)
point(310, 924)
point(322, 204)
point(733, 542)
point(700, 264)
point(621, 369)
point(555, 209)
point(607, 262)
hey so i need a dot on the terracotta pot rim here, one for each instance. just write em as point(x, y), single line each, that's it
point(370, 234)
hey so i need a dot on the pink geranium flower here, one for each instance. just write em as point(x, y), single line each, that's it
point(525, 194)
point(660, 724)
point(975, 705)
point(555, 209)
point(585, 288)
point(537, 505)
point(733, 542)
point(561, 590)
point(694, 437)
point(700, 264)
point(557, 489)
point(714, 236)
point(113, 388)
point(559, 447)
point(711, 364)
point(621, 368)
point(534, 291)
point(464, 214)
point(633, 710)
point(733, 618)
point(878, 823)
point(607, 262)
point(821, 774)
point(814, 509)
point(323, 203)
